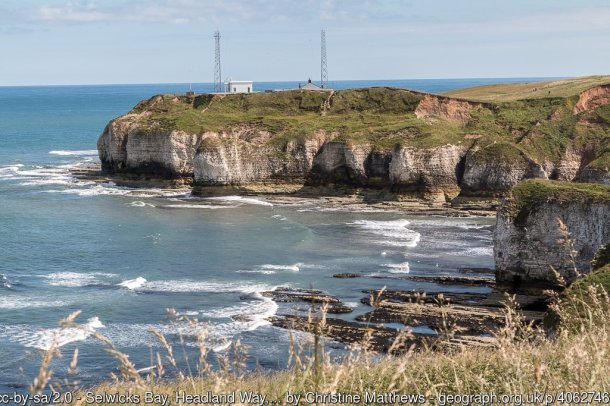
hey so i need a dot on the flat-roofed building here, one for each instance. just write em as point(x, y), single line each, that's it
point(238, 86)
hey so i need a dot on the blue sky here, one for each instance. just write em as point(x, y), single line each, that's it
point(161, 41)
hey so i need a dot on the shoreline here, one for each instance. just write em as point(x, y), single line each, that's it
point(399, 305)
point(333, 198)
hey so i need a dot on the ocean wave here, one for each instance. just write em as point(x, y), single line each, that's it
point(52, 181)
point(198, 206)
point(395, 232)
point(10, 169)
point(4, 282)
point(348, 210)
point(133, 284)
point(475, 252)
point(279, 217)
point(241, 199)
point(465, 223)
point(270, 269)
point(111, 189)
point(46, 339)
point(293, 268)
point(76, 279)
point(18, 302)
point(77, 152)
point(397, 268)
point(140, 284)
point(139, 203)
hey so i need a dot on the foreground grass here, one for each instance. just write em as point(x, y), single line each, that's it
point(573, 361)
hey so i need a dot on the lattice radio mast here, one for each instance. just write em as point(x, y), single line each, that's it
point(323, 68)
point(217, 71)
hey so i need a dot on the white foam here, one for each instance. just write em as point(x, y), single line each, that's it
point(475, 252)
point(133, 284)
point(241, 199)
point(186, 286)
point(57, 337)
point(279, 217)
point(139, 203)
point(17, 302)
point(293, 268)
point(52, 181)
point(77, 152)
point(199, 206)
point(395, 233)
point(397, 268)
point(11, 168)
point(75, 279)
point(259, 271)
point(222, 347)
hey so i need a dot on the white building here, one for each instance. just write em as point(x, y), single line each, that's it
point(238, 86)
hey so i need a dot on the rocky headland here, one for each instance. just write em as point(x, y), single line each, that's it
point(542, 150)
point(394, 140)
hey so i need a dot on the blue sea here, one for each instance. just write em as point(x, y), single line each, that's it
point(123, 256)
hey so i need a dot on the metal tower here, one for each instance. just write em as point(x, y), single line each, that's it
point(323, 68)
point(217, 71)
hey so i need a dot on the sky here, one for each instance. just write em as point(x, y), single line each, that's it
point(48, 42)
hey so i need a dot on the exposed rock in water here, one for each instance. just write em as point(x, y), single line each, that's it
point(316, 298)
point(454, 280)
point(377, 338)
point(548, 232)
point(346, 275)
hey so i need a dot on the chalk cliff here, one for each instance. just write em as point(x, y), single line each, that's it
point(550, 225)
point(363, 138)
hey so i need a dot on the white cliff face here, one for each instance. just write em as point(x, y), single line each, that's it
point(174, 153)
point(525, 249)
point(434, 168)
point(231, 160)
point(124, 147)
point(240, 153)
point(499, 171)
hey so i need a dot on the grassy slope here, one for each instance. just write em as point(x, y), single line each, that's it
point(531, 90)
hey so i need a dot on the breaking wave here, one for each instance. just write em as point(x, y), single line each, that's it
point(84, 152)
point(393, 233)
point(241, 199)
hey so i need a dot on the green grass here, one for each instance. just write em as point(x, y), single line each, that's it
point(532, 90)
point(539, 129)
point(523, 361)
point(530, 193)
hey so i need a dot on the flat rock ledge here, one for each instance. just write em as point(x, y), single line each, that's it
point(456, 319)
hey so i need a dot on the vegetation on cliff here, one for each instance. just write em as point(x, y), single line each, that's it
point(541, 127)
point(531, 90)
point(529, 193)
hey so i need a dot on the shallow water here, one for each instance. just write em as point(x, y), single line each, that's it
point(123, 256)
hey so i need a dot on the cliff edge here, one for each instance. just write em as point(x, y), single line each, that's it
point(547, 231)
point(380, 138)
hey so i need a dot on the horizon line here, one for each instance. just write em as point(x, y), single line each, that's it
point(297, 81)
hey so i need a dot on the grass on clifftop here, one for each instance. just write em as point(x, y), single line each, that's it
point(505, 92)
point(541, 128)
point(529, 193)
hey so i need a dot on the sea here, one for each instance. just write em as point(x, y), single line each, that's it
point(122, 257)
